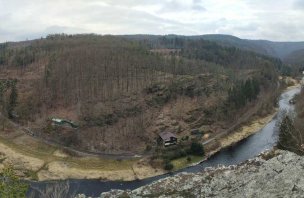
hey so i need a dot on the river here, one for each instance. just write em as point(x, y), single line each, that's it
point(246, 149)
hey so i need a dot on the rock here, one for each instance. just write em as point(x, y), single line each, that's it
point(281, 175)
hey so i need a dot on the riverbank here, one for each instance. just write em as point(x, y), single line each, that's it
point(249, 179)
point(244, 131)
point(228, 140)
point(232, 156)
point(34, 160)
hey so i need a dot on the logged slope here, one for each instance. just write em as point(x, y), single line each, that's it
point(122, 92)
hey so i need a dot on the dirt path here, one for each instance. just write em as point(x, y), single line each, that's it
point(35, 159)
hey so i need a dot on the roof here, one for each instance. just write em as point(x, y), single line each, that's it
point(167, 135)
point(56, 120)
point(62, 121)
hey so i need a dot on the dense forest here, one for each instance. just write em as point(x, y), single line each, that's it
point(117, 88)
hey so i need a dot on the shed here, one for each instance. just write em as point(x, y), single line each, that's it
point(62, 122)
point(168, 138)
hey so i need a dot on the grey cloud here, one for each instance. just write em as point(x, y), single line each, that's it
point(197, 5)
point(275, 20)
point(130, 3)
point(5, 35)
point(299, 4)
point(172, 6)
point(176, 6)
point(131, 20)
point(247, 27)
point(62, 29)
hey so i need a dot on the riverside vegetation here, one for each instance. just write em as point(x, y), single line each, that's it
point(292, 128)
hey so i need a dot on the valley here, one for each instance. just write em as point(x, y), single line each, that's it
point(93, 107)
point(171, 98)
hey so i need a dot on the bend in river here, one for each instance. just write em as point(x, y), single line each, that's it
point(246, 149)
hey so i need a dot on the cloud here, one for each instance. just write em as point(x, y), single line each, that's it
point(253, 19)
point(181, 6)
point(197, 5)
point(299, 4)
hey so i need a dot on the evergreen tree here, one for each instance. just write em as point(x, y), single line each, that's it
point(12, 99)
point(287, 140)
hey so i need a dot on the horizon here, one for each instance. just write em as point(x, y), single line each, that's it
point(254, 20)
point(44, 37)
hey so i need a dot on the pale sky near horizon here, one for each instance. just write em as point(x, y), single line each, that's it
point(277, 20)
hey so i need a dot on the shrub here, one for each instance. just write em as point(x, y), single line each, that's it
point(290, 138)
point(168, 166)
point(174, 154)
point(185, 138)
point(148, 148)
point(11, 185)
point(196, 149)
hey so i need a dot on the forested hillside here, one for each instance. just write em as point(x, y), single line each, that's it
point(286, 51)
point(122, 92)
point(296, 58)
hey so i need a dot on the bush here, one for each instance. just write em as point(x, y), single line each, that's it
point(185, 138)
point(189, 159)
point(148, 148)
point(70, 139)
point(11, 185)
point(290, 138)
point(196, 149)
point(168, 166)
point(174, 154)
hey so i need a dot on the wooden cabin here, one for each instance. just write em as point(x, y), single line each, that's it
point(168, 138)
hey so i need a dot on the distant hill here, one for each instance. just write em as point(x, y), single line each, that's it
point(296, 58)
point(276, 49)
point(270, 48)
point(229, 40)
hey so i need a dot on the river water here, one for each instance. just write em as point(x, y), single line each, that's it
point(246, 149)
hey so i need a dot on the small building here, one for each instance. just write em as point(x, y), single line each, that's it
point(168, 138)
point(62, 122)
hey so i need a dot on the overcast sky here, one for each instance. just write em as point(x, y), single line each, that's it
point(279, 20)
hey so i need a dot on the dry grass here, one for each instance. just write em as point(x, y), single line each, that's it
point(143, 169)
point(183, 162)
point(48, 162)
point(245, 131)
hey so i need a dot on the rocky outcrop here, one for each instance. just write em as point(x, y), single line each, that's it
point(272, 174)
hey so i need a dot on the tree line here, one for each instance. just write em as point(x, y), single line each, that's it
point(106, 78)
point(243, 92)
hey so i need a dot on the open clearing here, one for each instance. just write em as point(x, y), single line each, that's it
point(44, 162)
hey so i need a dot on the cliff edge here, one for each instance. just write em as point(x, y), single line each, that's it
point(271, 174)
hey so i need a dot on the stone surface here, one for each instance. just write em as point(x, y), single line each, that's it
point(280, 176)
